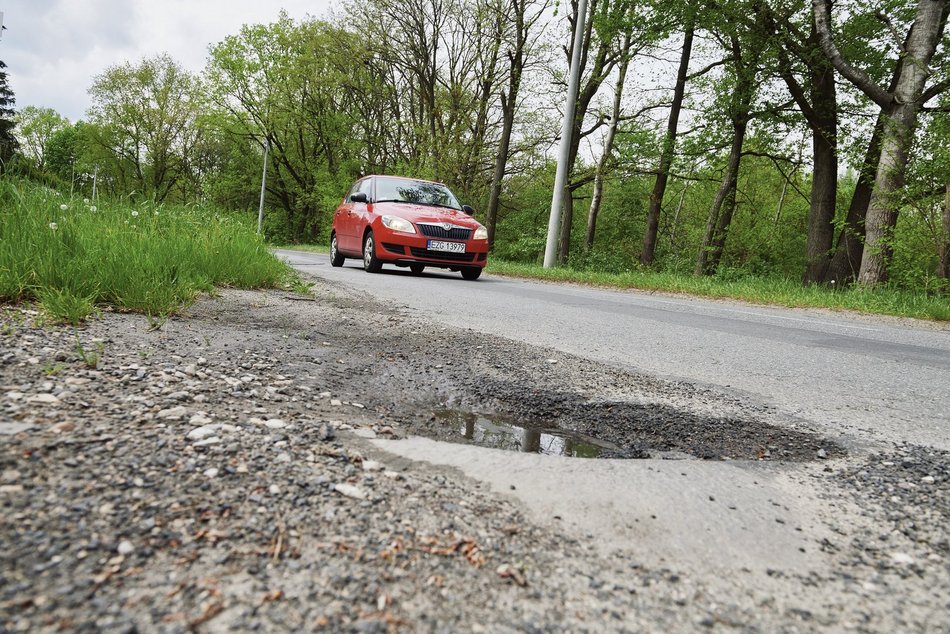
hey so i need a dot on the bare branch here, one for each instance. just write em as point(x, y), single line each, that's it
point(935, 90)
point(886, 21)
point(709, 67)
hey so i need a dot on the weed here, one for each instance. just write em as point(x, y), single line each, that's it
point(127, 257)
point(52, 369)
point(90, 358)
point(156, 322)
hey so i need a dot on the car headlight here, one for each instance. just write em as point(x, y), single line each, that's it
point(481, 233)
point(398, 224)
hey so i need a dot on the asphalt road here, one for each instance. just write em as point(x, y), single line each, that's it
point(863, 379)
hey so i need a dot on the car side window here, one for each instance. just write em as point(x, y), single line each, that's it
point(353, 190)
point(366, 187)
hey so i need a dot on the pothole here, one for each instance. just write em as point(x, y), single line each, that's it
point(498, 433)
point(623, 430)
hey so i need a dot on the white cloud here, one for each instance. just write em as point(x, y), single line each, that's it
point(54, 48)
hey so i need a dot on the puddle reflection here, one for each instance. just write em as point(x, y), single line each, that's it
point(493, 432)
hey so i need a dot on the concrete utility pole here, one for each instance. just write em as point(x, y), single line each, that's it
point(567, 126)
point(260, 210)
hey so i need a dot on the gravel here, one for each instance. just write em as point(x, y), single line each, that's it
point(212, 474)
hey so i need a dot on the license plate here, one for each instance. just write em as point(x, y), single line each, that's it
point(448, 247)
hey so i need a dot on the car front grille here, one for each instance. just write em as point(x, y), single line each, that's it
point(437, 231)
point(441, 255)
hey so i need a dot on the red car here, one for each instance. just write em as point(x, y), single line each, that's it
point(407, 222)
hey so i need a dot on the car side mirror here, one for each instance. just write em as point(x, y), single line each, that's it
point(358, 197)
point(468, 209)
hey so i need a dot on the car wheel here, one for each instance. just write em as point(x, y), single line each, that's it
point(417, 269)
point(336, 259)
point(371, 263)
point(471, 273)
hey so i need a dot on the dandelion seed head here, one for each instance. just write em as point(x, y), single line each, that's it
point(93, 209)
point(53, 226)
point(134, 214)
point(64, 207)
point(85, 201)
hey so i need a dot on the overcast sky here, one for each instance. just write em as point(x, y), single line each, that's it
point(54, 48)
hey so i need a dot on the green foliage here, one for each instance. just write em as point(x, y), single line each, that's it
point(71, 255)
point(35, 129)
point(8, 141)
point(145, 128)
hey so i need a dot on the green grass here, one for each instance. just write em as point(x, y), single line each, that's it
point(72, 256)
point(769, 291)
point(309, 248)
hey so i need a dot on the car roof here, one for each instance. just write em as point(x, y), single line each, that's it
point(405, 178)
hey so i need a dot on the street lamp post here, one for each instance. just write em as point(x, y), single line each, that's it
point(260, 209)
point(567, 126)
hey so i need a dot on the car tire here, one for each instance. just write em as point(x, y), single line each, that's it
point(336, 258)
point(371, 264)
point(417, 269)
point(471, 273)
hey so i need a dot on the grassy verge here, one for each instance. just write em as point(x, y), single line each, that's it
point(769, 291)
point(309, 248)
point(71, 255)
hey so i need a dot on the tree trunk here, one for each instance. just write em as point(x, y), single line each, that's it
point(944, 271)
point(604, 61)
point(824, 187)
point(885, 199)
point(648, 251)
point(720, 214)
point(501, 163)
point(508, 104)
point(901, 105)
point(567, 219)
point(608, 148)
point(844, 266)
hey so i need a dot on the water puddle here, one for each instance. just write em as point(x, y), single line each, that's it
point(497, 433)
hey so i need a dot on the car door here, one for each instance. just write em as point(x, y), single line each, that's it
point(361, 213)
point(343, 223)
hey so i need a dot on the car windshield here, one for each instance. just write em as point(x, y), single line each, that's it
point(416, 192)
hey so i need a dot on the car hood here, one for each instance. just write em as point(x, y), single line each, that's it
point(426, 213)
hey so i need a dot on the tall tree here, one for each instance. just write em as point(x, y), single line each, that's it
point(746, 42)
point(522, 16)
point(816, 98)
point(294, 86)
point(648, 251)
point(145, 123)
point(8, 142)
point(35, 127)
point(902, 106)
point(602, 165)
point(607, 22)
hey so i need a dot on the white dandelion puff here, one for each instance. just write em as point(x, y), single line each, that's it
point(64, 207)
point(53, 226)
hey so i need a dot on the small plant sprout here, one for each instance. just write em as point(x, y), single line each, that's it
point(90, 358)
